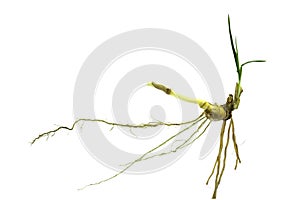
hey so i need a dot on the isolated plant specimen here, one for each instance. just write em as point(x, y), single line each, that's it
point(212, 112)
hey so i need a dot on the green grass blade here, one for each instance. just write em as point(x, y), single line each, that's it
point(232, 47)
point(251, 61)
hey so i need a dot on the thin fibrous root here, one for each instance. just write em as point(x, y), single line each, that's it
point(150, 124)
point(212, 173)
point(225, 154)
point(184, 144)
point(145, 154)
point(219, 159)
point(216, 162)
point(238, 160)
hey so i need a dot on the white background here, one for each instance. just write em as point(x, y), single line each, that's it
point(43, 45)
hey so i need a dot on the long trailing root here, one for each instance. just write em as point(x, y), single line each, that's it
point(150, 124)
point(217, 165)
point(185, 143)
point(145, 154)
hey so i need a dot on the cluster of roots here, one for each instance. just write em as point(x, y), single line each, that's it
point(219, 166)
point(202, 123)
